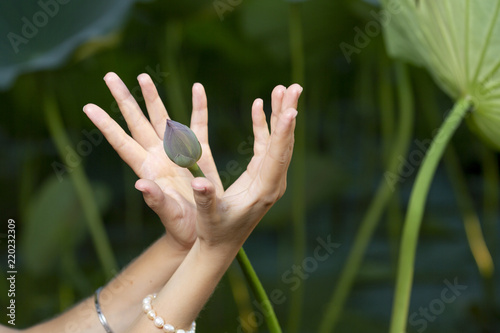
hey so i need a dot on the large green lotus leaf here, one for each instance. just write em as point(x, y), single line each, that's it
point(54, 222)
point(458, 41)
point(42, 34)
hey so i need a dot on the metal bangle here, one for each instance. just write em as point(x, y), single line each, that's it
point(102, 319)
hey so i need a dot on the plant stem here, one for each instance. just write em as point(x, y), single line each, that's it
point(82, 186)
point(388, 128)
point(251, 276)
point(415, 212)
point(472, 225)
point(386, 106)
point(196, 171)
point(298, 169)
point(491, 199)
point(259, 292)
point(473, 230)
point(241, 296)
point(380, 201)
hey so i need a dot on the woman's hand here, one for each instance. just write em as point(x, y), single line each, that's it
point(165, 186)
point(225, 220)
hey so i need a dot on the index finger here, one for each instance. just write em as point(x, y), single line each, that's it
point(129, 150)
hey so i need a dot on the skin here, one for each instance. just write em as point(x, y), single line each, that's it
point(205, 225)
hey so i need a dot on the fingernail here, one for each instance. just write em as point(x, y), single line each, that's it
point(199, 188)
point(141, 189)
point(106, 77)
point(141, 78)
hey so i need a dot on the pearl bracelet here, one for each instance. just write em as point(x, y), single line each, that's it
point(158, 321)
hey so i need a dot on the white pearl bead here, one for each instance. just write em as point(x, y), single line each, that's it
point(181, 331)
point(151, 314)
point(146, 307)
point(159, 322)
point(168, 328)
point(146, 301)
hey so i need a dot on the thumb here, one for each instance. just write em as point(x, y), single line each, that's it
point(156, 199)
point(205, 198)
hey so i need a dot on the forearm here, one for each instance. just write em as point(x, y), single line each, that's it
point(183, 297)
point(121, 298)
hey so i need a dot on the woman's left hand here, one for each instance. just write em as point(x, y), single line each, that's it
point(165, 186)
point(224, 221)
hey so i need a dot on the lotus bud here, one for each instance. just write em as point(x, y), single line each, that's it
point(181, 145)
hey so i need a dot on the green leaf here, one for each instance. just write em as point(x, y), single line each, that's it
point(54, 223)
point(43, 34)
point(458, 42)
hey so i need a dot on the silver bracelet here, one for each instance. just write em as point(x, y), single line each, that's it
point(102, 319)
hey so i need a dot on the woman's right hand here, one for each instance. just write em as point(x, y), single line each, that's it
point(165, 186)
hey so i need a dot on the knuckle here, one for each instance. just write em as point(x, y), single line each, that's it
point(280, 158)
point(205, 204)
point(269, 199)
point(153, 203)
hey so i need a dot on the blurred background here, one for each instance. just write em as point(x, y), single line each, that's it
point(58, 173)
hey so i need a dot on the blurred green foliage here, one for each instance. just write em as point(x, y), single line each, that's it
point(238, 55)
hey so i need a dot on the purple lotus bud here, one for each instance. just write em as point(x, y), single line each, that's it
point(181, 144)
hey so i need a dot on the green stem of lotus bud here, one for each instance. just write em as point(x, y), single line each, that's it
point(251, 276)
point(415, 212)
point(259, 292)
point(196, 171)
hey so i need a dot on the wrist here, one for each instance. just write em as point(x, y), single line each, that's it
point(185, 294)
point(217, 252)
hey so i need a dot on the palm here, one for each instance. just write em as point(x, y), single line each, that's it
point(264, 181)
point(282, 99)
point(166, 187)
point(169, 177)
